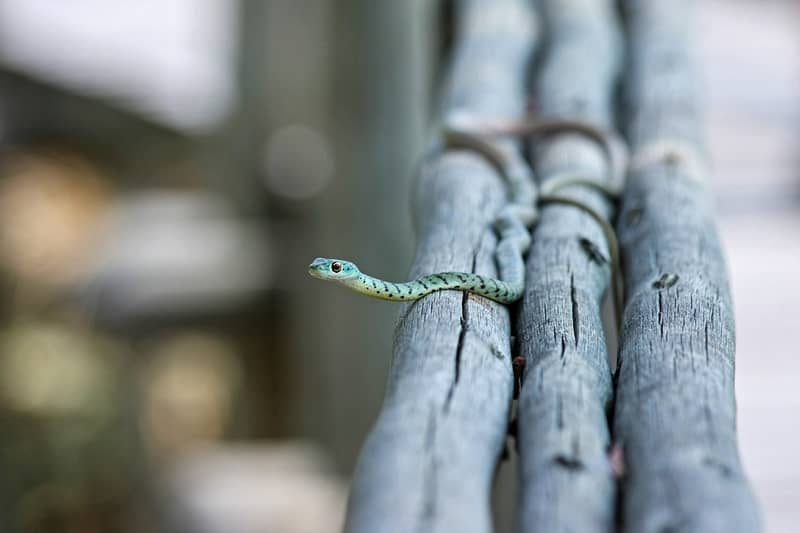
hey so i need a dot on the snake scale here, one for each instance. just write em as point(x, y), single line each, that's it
point(512, 222)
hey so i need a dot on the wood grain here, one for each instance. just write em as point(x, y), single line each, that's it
point(429, 461)
point(675, 413)
point(567, 483)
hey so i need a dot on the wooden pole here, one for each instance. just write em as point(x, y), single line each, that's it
point(675, 415)
point(429, 461)
point(566, 483)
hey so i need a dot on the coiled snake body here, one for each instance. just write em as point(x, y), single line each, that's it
point(512, 222)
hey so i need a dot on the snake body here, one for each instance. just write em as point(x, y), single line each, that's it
point(348, 274)
point(512, 222)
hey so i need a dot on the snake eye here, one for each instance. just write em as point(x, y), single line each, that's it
point(336, 267)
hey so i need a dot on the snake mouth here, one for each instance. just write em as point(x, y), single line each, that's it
point(317, 267)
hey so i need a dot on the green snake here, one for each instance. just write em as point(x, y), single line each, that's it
point(512, 222)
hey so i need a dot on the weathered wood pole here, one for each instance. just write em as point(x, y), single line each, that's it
point(566, 395)
point(675, 414)
point(429, 461)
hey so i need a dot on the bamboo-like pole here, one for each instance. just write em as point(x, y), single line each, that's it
point(429, 461)
point(675, 415)
point(563, 440)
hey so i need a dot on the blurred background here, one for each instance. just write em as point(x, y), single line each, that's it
point(167, 172)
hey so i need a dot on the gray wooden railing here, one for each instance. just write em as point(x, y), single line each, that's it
point(675, 414)
point(429, 462)
point(662, 456)
point(566, 480)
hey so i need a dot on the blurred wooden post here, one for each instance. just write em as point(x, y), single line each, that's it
point(429, 462)
point(353, 78)
point(376, 128)
point(675, 410)
point(566, 483)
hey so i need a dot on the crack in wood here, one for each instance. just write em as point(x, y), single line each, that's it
point(569, 463)
point(593, 251)
point(575, 318)
point(462, 336)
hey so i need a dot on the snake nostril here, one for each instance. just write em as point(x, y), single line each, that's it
point(318, 263)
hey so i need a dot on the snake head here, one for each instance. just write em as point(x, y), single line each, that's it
point(333, 269)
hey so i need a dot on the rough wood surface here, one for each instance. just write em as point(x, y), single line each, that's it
point(563, 435)
point(429, 461)
point(675, 411)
